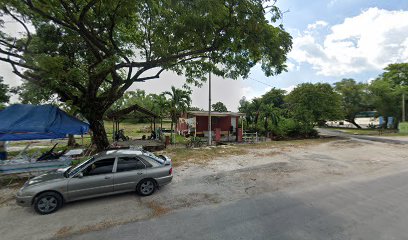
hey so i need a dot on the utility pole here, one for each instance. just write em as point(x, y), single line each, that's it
point(209, 109)
point(403, 86)
point(403, 106)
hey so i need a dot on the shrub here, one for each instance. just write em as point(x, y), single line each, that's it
point(289, 128)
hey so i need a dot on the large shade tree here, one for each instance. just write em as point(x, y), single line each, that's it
point(313, 104)
point(386, 92)
point(355, 98)
point(89, 52)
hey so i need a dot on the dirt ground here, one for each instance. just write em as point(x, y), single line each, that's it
point(285, 167)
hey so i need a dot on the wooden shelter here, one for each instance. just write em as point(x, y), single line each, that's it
point(132, 112)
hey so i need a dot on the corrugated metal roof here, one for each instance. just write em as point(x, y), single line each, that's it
point(215, 114)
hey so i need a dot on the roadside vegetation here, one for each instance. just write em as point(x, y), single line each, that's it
point(94, 82)
point(294, 115)
point(282, 115)
point(90, 57)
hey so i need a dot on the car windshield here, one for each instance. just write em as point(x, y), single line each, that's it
point(73, 170)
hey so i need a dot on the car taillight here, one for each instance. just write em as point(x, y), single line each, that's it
point(170, 171)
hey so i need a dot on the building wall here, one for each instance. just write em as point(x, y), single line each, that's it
point(182, 127)
point(216, 122)
point(202, 123)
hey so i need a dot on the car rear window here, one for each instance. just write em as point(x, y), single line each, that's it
point(129, 164)
point(149, 161)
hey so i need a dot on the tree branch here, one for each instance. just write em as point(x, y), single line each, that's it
point(86, 9)
point(151, 77)
point(155, 63)
point(29, 38)
point(18, 64)
point(10, 54)
point(30, 4)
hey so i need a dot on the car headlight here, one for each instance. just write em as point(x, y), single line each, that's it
point(20, 192)
point(24, 191)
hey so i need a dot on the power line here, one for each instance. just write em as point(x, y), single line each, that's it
point(261, 82)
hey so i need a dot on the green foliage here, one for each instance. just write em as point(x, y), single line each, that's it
point(268, 107)
point(290, 128)
point(397, 73)
point(274, 97)
point(386, 91)
point(219, 107)
point(89, 53)
point(354, 98)
point(194, 142)
point(385, 97)
point(4, 89)
point(30, 93)
point(314, 103)
point(179, 102)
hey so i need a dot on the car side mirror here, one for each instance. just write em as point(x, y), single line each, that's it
point(80, 175)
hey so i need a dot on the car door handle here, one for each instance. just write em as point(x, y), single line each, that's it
point(107, 177)
point(139, 173)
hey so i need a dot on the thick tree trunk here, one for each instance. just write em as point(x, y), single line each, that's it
point(354, 123)
point(71, 140)
point(99, 137)
point(266, 124)
point(171, 133)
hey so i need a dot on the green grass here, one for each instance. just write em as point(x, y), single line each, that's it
point(178, 152)
point(134, 129)
point(37, 151)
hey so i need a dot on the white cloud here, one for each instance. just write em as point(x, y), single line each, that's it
point(251, 93)
point(316, 25)
point(369, 41)
point(289, 89)
point(292, 66)
point(331, 3)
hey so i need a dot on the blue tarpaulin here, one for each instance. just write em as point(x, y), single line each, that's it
point(29, 122)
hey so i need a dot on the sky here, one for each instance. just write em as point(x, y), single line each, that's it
point(332, 40)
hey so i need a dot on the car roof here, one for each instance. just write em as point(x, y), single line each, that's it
point(119, 152)
point(124, 152)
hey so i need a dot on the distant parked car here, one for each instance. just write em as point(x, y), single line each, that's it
point(109, 172)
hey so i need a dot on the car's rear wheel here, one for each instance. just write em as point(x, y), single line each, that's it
point(47, 202)
point(146, 187)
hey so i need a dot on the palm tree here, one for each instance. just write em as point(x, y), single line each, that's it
point(256, 108)
point(270, 112)
point(162, 104)
point(179, 102)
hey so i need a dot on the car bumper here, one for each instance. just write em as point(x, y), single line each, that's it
point(164, 180)
point(24, 201)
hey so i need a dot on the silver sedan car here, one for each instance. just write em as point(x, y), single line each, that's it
point(109, 172)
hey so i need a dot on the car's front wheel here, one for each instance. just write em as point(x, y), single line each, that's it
point(47, 203)
point(146, 187)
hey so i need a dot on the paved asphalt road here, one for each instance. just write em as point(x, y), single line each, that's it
point(366, 209)
point(337, 133)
